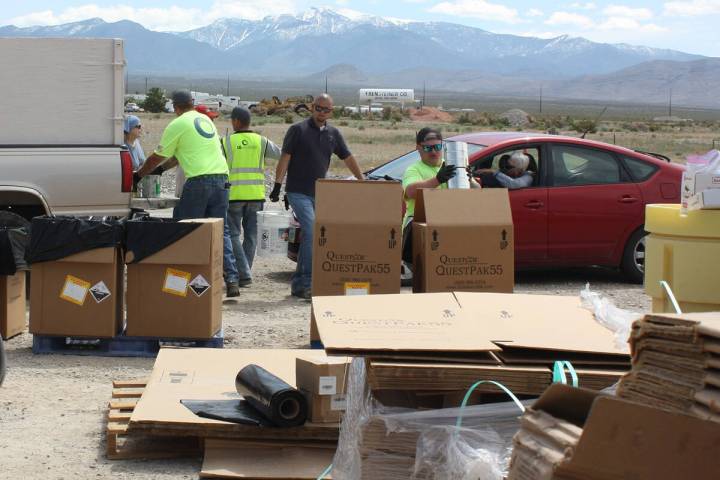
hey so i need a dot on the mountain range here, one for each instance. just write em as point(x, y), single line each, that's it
point(374, 51)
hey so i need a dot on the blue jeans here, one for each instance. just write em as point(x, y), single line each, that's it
point(304, 208)
point(207, 197)
point(242, 217)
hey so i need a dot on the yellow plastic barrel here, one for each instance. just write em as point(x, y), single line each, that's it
point(685, 252)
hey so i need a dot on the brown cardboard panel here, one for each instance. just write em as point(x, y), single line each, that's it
point(208, 374)
point(322, 377)
point(397, 323)
point(12, 305)
point(544, 322)
point(61, 302)
point(226, 459)
point(160, 300)
point(192, 249)
point(367, 202)
point(472, 207)
point(325, 408)
point(463, 258)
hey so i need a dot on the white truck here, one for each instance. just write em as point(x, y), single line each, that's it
point(62, 129)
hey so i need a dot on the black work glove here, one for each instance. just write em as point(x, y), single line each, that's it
point(136, 180)
point(158, 170)
point(275, 194)
point(445, 173)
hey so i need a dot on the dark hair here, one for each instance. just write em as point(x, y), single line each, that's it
point(428, 133)
point(182, 99)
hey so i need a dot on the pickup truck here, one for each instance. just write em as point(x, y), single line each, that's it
point(61, 145)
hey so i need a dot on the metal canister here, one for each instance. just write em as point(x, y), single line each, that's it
point(456, 153)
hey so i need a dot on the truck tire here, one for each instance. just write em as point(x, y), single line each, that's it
point(633, 261)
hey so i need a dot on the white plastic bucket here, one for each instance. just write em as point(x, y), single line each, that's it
point(272, 233)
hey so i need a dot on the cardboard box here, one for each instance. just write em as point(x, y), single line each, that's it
point(12, 305)
point(357, 238)
point(177, 292)
point(621, 439)
point(463, 241)
point(79, 295)
point(705, 200)
point(323, 383)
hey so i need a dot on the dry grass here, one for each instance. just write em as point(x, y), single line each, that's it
point(375, 142)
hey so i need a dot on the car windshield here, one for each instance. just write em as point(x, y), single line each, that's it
point(394, 169)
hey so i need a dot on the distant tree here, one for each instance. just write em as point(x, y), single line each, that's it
point(155, 101)
point(130, 100)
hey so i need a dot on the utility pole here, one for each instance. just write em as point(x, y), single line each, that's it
point(228, 86)
point(127, 79)
point(145, 85)
point(541, 92)
point(670, 103)
point(325, 83)
point(423, 100)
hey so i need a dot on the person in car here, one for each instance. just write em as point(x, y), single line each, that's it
point(131, 129)
point(513, 173)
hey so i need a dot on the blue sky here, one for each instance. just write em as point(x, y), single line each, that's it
point(688, 25)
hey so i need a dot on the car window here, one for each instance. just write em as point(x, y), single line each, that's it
point(583, 166)
point(396, 168)
point(639, 169)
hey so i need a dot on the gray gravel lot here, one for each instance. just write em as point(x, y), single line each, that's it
point(52, 407)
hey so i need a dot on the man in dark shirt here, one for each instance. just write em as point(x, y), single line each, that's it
point(306, 152)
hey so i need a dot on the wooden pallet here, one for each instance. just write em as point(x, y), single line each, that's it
point(122, 443)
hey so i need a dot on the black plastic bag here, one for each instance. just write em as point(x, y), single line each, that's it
point(267, 401)
point(13, 244)
point(148, 235)
point(53, 238)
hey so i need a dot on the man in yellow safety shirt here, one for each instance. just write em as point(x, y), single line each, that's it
point(192, 141)
point(246, 152)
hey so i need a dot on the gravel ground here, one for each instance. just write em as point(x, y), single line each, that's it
point(52, 407)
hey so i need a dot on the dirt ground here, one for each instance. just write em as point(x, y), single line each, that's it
point(52, 407)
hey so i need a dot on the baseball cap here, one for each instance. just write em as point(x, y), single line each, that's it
point(242, 114)
point(131, 121)
point(205, 110)
point(182, 97)
point(427, 134)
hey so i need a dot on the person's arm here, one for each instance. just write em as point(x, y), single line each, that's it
point(167, 146)
point(353, 166)
point(282, 167)
point(272, 150)
point(514, 183)
point(412, 188)
point(152, 162)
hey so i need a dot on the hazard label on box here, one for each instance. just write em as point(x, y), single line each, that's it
point(176, 282)
point(75, 290)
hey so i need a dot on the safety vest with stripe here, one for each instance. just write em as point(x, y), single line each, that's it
point(245, 153)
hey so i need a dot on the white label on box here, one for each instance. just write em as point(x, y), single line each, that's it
point(327, 386)
point(75, 290)
point(199, 285)
point(176, 282)
point(357, 288)
point(338, 402)
point(99, 291)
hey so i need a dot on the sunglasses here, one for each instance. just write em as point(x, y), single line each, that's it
point(138, 126)
point(429, 148)
point(322, 109)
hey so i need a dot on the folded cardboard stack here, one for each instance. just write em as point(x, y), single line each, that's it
point(676, 364)
point(575, 434)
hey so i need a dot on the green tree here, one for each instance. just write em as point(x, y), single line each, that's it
point(155, 101)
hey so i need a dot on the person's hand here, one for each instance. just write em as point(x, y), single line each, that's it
point(445, 173)
point(275, 194)
point(158, 170)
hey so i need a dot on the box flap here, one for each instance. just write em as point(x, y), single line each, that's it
point(358, 202)
point(441, 207)
point(96, 255)
point(193, 249)
point(430, 322)
point(627, 440)
point(545, 322)
point(566, 403)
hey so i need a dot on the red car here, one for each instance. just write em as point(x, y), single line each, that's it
point(587, 202)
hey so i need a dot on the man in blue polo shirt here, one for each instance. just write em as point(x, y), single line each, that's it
point(306, 152)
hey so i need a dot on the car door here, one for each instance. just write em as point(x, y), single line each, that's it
point(593, 205)
point(529, 207)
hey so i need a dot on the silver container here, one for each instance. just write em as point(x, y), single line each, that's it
point(149, 186)
point(456, 153)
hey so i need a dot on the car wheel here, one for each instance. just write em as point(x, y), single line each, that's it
point(633, 262)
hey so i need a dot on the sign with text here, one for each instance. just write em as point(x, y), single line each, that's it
point(386, 95)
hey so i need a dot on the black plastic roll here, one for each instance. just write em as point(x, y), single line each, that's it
point(273, 398)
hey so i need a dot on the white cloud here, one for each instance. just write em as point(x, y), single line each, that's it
point(568, 18)
point(341, 2)
point(170, 18)
point(481, 9)
point(534, 12)
point(624, 11)
point(625, 23)
point(692, 8)
point(583, 6)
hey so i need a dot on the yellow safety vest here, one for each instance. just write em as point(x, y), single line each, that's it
point(245, 153)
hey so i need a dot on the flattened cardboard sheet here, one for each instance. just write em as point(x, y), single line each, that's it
point(230, 459)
